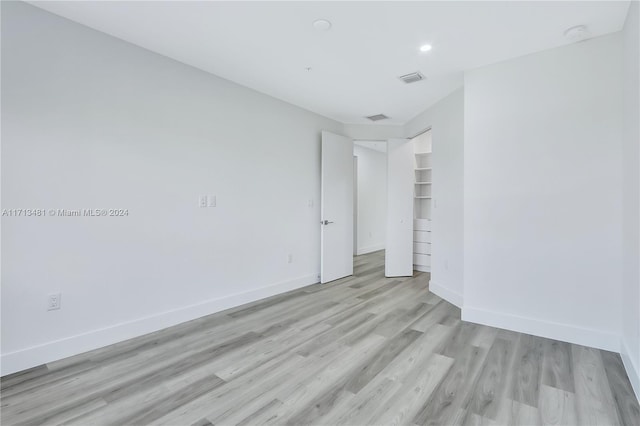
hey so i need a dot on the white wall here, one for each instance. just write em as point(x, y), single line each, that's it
point(372, 199)
point(542, 193)
point(446, 119)
point(631, 198)
point(90, 121)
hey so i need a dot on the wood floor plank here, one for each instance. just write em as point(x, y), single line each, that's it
point(334, 392)
point(336, 398)
point(459, 340)
point(223, 401)
point(334, 333)
point(178, 397)
point(379, 291)
point(594, 398)
point(525, 386)
point(485, 397)
point(411, 361)
point(443, 405)
point(472, 419)
point(484, 337)
point(66, 416)
point(227, 367)
point(21, 377)
point(202, 422)
point(557, 366)
point(403, 407)
point(371, 367)
point(557, 406)
point(515, 413)
point(258, 417)
point(306, 400)
point(360, 408)
point(437, 315)
point(621, 389)
point(405, 318)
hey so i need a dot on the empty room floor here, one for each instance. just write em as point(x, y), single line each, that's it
point(362, 350)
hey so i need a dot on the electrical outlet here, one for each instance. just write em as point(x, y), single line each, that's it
point(202, 201)
point(446, 265)
point(212, 201)
point(310, 203)
point(289, 258)
point(54, 301)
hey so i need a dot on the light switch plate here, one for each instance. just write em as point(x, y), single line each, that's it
point(212, 201)
point(202, 201)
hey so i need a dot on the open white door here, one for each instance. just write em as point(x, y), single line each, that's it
point(336, 211)
point(400, 180)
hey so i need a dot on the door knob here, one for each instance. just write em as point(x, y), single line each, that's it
point(325, 222)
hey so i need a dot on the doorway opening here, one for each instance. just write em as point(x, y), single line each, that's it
point(396, 223)
point(373, 193)
point(423, 200)
point(370, 196)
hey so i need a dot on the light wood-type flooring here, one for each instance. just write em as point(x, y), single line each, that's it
point(361, 350)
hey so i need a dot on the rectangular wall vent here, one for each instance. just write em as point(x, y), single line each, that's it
point(377, 117)
point(412, 78)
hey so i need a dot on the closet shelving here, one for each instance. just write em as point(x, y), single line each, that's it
point(422, 203)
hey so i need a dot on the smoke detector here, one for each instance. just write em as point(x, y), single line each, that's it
point(377, 117)
point(412, 78)
point(577, 33)
point(322, 25)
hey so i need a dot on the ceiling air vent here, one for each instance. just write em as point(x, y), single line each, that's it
point(412, 78)
point(377, 117)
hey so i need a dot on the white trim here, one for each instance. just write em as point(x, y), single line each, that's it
point(450, 296)
point(632, 369)
point(73, 345)
point(552, 330)
point(421, 268)
point(370, 249)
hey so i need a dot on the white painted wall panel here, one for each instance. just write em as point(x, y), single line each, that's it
point(446, 120)
point(631, 197)
point(90, 121)
point(372, 199)
point(542, 185)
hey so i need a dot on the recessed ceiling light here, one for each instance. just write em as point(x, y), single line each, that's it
point(321, 25)
point(577, 33)
point(425, 48)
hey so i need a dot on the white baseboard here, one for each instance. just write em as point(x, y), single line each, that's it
point(633, 370)
point(552, 330)
point(51, 351)
point(369, 249)
point(447, 294)
point(422, 268)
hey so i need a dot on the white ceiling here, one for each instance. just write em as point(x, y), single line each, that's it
point(267, 45)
